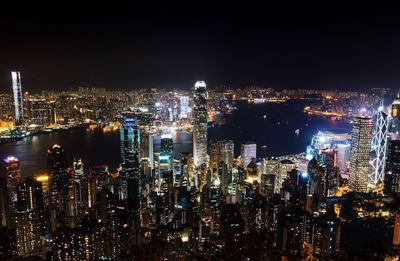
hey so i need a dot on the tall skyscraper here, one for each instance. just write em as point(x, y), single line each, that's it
point(361, 137)
point(392, 175)
point(379, 147)
point(30, 222)
point(130, 164)
point(394, 125)
point(147, 148)
point(200, 124)
point(12, 172)
point(248, 151)
point(342, 156)
point(184, 107)
point(166, 149)
point(58, 181)
point(18, 99)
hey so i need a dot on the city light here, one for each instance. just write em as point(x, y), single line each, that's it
point(146, 162)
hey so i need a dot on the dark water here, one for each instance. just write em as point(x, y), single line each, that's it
point(277, 131)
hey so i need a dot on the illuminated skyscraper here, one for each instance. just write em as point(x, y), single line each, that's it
point(166, 149)
point(248, 151)
point(130, 164)
point(394, 126)
point(18, 99)
point(147, 148)
point(58, 181)
point(379, 145)
point(30, 223)
point(392, 175)
point(342, 156)
point(184, 100)
point(12, 172)
point(200, 124)
point(361, 137)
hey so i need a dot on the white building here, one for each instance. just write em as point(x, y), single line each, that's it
point(200, 124)
point(248, 151)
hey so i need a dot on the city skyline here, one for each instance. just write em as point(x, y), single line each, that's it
point(206, 132)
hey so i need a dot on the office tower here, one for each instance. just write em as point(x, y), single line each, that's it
point(392, 175)
point(248, 151)
point(18, 99)
point(166, 150)
point(271, 168)
point(394, 125)
point(81, 188)
point(130, 164)
point(40, 112)
point(11, 170)
point(285, 166)
point(324, 178)
point(200, 124)
point(342, 157)
point(30, 195)
point(361, 137)
point(58, 182)
point(396, 230)
point(221, 151)
point(331, 176)
point(43, 179)
point(186, 172)
point(147, 148)
point(184, 100)
point(378, 148)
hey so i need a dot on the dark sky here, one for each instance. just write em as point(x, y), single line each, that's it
point(345, 46)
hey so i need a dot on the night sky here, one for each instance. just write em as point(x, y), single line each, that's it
point(172, 46)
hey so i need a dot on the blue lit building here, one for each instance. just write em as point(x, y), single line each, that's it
point(130, 164)
point(326, 140)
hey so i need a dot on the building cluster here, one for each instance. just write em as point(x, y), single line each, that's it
point(205, 203)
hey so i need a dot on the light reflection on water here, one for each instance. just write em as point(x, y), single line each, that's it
point(276, 131)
